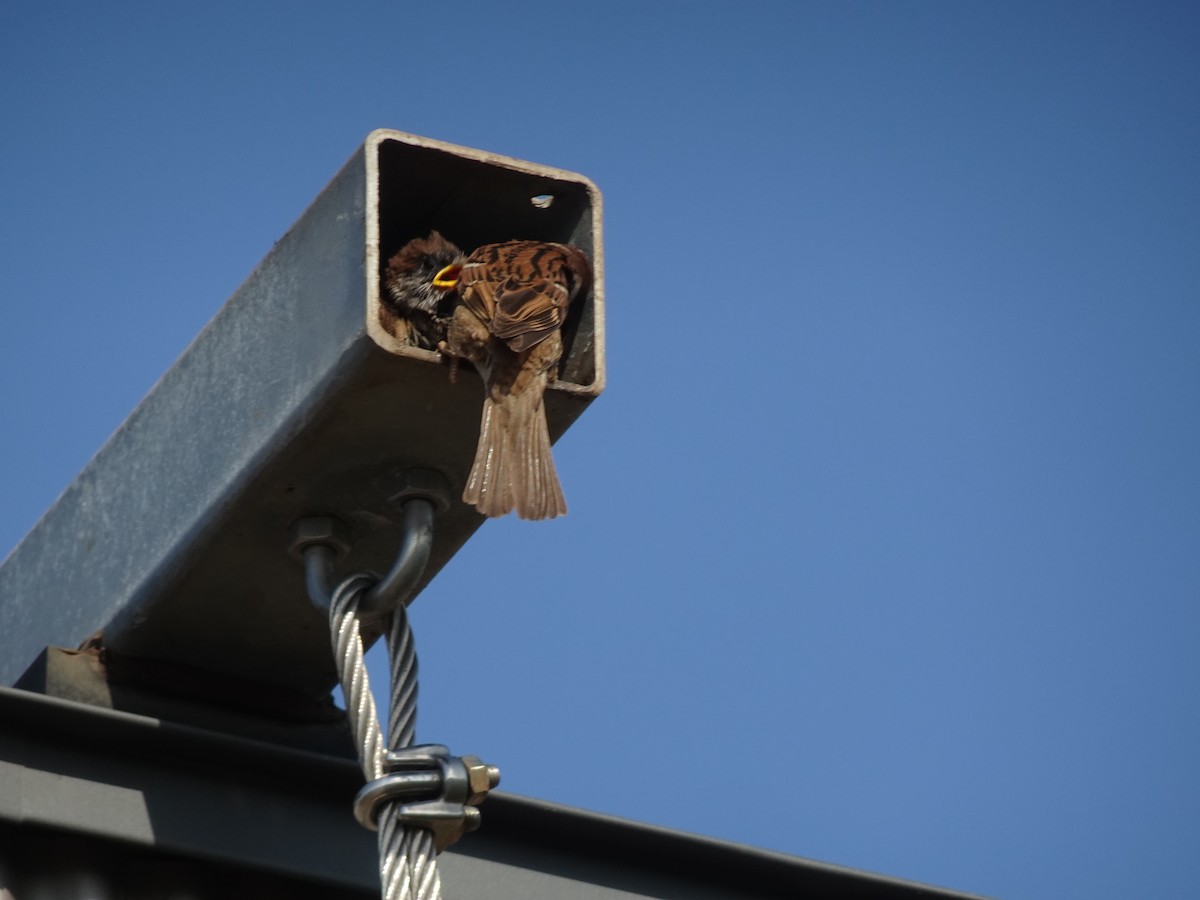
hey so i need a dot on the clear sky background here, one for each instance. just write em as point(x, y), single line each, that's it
point(884, 543)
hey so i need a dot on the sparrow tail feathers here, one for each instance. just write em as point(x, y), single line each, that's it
point(514, 466)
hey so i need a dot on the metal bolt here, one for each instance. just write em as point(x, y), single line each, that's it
point(472, 819)
point(481, 778)
point(312, 531)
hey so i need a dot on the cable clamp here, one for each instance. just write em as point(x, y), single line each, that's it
point(431, 790)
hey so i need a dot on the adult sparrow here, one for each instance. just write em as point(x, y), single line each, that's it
point(412, 295)
point(514, 299)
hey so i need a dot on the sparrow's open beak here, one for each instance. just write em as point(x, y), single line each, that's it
point(448, 277)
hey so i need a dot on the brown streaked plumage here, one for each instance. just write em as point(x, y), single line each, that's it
point(515, 297)
point(409, 292)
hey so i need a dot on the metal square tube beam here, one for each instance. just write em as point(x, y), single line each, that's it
point(295, 400)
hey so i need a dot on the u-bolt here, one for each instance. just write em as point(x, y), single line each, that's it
point(317, 541)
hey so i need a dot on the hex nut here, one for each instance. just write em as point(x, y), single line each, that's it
point(481, 778)
point(426, 484)
point(318, 530)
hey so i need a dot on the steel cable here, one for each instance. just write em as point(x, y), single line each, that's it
point(407, 856)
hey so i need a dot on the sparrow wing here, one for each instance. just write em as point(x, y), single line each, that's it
point(477, 292)
point(527, 313)
point(522, 289)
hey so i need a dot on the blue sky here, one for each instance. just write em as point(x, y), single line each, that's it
point(884, 543)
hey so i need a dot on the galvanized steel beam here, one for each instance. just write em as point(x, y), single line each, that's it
point(296, 400)
point(127, 782)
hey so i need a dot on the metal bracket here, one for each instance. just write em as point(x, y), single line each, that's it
point(431, 790)
point(319, 541)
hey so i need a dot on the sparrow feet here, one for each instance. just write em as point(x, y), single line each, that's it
point(444, 349)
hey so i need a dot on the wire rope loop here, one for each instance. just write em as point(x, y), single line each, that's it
point(346, 635)
point(408, 857)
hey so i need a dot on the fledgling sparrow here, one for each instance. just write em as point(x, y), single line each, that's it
point(514, 299)
point(411, 294)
